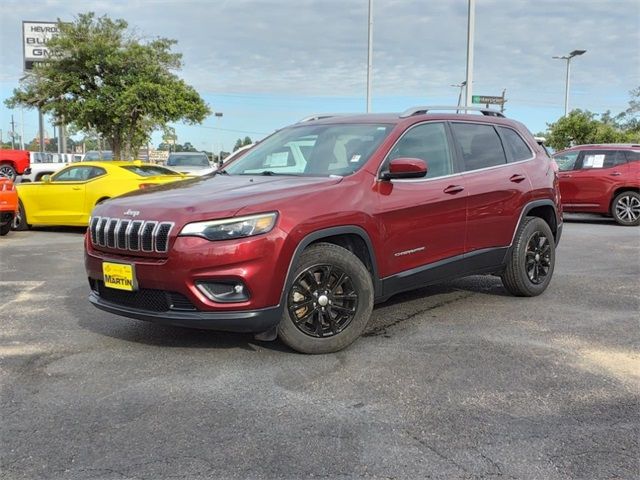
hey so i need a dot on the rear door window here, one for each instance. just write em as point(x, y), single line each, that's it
point(597, 159)
point(514, 144)
point(480, 145)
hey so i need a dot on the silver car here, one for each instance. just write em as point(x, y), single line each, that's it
point(191, 163)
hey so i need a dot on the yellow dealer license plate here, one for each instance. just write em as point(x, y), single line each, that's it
point(121, 276)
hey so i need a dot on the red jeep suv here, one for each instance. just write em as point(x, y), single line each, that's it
point(299, 237)
point(601, 179)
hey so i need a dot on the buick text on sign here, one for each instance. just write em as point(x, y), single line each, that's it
point(35, 36)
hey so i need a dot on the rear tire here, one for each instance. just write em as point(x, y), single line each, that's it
point(20, 221)
point(329, 302)
point(625, 209)
point(531, 260)
point(4, 229)
point(7, 170)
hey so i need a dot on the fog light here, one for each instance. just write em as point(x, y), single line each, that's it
point(224, 292)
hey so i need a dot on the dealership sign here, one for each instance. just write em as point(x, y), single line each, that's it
point(486, 99)
point(35, 36)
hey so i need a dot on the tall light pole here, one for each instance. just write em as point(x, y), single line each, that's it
point(461, 87)
point(471, 21)
point(218, 116)
point(568, 58)
point(369, 55)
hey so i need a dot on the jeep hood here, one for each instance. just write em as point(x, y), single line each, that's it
point(211, 197)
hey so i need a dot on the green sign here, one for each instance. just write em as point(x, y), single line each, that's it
point(486, 99)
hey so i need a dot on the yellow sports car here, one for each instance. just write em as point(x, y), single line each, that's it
point(68, 196)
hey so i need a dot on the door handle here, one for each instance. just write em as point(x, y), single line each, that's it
point(453, 189)
point(517, 178)
point(615, 174)
point(565, 175)
point(76, 188)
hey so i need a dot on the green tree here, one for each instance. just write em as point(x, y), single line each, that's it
point(580, 127)
point(242, 142)
point(101, 77)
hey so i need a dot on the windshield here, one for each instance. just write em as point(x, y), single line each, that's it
point(150, 170)
point(315, 150)
point(188, 161)
point(93, 156)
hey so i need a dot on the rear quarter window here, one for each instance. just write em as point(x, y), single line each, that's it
point(514, 144)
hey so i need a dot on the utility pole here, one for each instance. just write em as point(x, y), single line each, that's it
point(461, 87)
point(218, 116)
point(41, 129)
point(13, 133)
point(21, 128)
point(471, 20)
point(503, 100)
point(369, 56)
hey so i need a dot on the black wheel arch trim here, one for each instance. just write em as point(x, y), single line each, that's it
point(333, 232)
point(556, 229)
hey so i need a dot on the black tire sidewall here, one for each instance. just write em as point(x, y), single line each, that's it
point(23, 225)
point(325, 253)
point(516, 278)
point(614, 214)
point(4, 229)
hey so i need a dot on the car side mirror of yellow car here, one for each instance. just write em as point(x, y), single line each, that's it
point(46, 179)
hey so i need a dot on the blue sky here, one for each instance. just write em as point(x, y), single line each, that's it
point(268, 63)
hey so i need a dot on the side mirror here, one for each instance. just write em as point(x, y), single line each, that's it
point(46, 179)
point(405, 168)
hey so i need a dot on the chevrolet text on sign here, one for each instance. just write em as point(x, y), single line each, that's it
point(35, 36)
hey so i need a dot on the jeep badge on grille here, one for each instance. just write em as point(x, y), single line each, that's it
point(131, 213)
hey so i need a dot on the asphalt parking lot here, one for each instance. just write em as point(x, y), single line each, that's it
point(455, 381)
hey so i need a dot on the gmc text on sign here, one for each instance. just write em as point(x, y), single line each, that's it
point(35, 36)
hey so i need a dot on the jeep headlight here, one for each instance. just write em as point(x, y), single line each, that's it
point(229, 228)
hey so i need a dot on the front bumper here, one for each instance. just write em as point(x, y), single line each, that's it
point(253, 321)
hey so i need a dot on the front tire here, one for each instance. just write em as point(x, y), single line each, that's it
point(531, 260)
point(329, 302)
point(625, 209)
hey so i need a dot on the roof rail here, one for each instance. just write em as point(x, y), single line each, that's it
point(420, 110)
point(320, 116)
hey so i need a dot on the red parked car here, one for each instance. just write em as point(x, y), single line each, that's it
point(8, 204)
point(14, 162)
point(300, 236)
point(601, 179)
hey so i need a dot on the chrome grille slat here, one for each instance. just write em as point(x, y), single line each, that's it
point(110, 236)
point(134, 235)
point(102, 226)
point(146, 236)
point(121, 234)
point(93, 229)
point(130, 235)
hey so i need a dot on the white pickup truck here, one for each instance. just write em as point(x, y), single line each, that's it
point(47, 163)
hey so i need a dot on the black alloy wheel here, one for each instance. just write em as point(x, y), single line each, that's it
point(323, 301)
point(328, 301)
point(531, 259)
point(538, 257)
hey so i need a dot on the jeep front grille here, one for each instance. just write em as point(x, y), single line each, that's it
point(130, 235)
